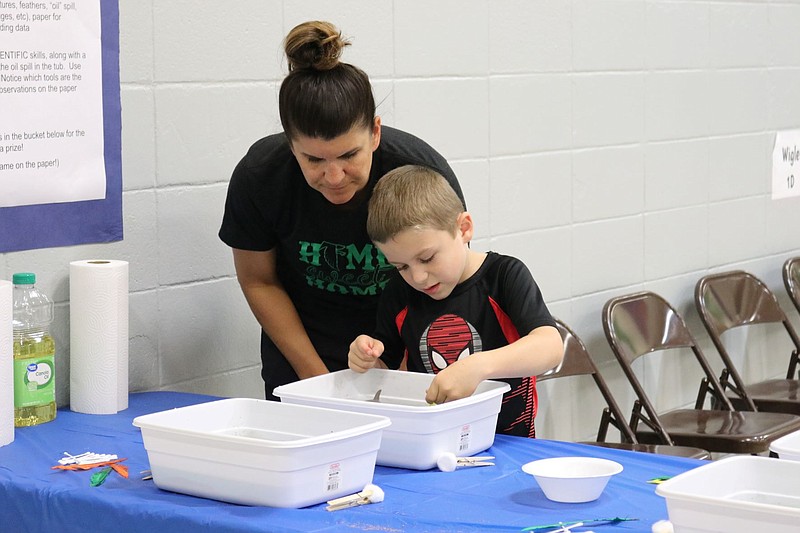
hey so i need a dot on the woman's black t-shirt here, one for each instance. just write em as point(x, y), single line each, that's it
point(325, 259)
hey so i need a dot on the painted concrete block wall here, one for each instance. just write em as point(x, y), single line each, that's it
point(613, 145)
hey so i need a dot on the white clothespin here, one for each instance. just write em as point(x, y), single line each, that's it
point(370, 494)
point(86, 458)
point(447, 462)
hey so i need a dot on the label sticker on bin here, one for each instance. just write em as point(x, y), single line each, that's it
point(334, 477)
point(463, 440)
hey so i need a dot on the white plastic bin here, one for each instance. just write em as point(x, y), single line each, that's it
point(741, 493)
point(787, 447)
point(420, 433)
point(256, 452)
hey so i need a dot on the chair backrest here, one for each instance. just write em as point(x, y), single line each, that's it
point(732, 299)
point(791, 278)
point(578, 362)
point(736, 298)
point(643, 323)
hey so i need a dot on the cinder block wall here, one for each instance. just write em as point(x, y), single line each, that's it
point(613, 145)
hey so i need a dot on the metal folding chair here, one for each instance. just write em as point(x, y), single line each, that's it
point(734, 299)
point(791, 279)
point(578, 362)
point(643, 324)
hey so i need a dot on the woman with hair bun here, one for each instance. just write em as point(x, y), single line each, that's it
point(296, 210)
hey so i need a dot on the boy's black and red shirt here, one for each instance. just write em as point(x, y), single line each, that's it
point(496, 306)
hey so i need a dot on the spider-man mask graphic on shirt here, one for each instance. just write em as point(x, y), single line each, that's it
point(448, 339)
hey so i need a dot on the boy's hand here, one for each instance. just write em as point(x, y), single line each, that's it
point(457, 381)
point(365, 353)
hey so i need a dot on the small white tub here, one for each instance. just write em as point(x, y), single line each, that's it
point(787, 447)
point(740, 493)
point(420, 433)
point(256, 452)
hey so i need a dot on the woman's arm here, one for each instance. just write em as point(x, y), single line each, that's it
point(275, 311)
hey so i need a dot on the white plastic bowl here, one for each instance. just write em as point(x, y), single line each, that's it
point(572, 479)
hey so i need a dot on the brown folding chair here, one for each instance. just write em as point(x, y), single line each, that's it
point(578, 362)
point(644, 323)
point(791, 278)
point(733, 299)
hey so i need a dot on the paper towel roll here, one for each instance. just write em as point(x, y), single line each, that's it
point(6, 364)
point(98, 314)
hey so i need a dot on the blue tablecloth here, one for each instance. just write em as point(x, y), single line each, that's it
point(35, 498)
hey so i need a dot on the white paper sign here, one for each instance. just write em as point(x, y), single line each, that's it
point(785, 165)
point(51, 102)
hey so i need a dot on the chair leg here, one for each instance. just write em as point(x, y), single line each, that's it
point(636, 415)
point(701, 395)
point(793, 361)
point(605, 420)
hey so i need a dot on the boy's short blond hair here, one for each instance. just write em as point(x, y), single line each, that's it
point(412, 197)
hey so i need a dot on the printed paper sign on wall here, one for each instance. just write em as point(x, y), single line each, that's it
point(60, 168)
point(785, 175)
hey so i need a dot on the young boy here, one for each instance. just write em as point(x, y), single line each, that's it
point(463, 315)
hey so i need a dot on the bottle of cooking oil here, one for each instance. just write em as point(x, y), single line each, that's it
point(34, 353)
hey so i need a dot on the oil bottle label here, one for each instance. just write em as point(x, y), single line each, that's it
point(34, 381)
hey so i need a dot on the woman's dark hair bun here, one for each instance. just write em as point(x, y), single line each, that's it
point(315, 44)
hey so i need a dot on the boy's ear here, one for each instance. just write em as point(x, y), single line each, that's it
point(466, 227)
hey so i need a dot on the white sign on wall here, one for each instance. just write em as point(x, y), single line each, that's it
point(51, 103)
point(785, 165)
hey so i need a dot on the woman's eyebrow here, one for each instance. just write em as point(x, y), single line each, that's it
point(350, 152)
